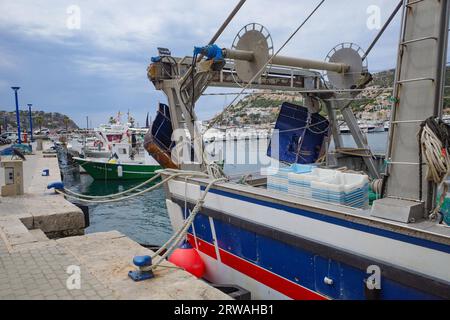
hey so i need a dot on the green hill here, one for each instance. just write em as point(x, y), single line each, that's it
point(50, 120)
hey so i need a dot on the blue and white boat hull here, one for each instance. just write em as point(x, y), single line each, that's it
point(280, 247)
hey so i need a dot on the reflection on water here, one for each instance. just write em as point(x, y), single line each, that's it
point(144, 218)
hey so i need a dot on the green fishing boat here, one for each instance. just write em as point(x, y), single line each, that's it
point(102, 169)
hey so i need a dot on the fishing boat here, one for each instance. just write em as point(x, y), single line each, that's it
point(307, 230)
point(123, 165)
point(104, 169)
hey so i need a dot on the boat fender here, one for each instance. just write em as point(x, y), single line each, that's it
point(189, 259)
point(56, 185)
point(119, 171)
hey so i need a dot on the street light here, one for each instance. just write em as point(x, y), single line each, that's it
point(17, 114)
point(31, 121)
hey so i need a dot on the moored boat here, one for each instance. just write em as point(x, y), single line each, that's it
point(103, 169)
point(311, 232)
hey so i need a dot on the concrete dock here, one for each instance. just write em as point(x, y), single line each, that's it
point(44, 252)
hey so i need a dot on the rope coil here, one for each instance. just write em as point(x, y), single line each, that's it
point(434, 141)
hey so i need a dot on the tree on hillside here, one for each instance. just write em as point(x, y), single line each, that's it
point(66, 121)
point(39, 122)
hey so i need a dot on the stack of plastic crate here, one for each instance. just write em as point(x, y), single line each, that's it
point(346, 189)
point(300, 184)
point(278, 179)
point(300, 181)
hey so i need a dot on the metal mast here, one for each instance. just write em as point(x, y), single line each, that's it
point(418, 95)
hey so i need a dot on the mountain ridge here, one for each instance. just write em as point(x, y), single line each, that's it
point(49, 120)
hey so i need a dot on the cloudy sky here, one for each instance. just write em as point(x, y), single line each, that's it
point(100, 68)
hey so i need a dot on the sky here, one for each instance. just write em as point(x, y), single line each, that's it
point(98, 67)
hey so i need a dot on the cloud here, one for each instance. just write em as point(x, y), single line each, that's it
point(111, 50)
point(107, 67)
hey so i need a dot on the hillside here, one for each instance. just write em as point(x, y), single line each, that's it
point(50, 120)
point(373, 104)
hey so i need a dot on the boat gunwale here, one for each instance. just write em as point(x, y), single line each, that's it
point(418, 230)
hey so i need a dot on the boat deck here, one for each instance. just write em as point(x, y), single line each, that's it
point(424, 229)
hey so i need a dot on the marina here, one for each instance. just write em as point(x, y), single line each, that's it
point(318, 180)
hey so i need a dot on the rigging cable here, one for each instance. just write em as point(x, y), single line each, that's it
point(267, 63)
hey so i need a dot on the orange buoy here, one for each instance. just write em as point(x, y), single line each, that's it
point(188, 258)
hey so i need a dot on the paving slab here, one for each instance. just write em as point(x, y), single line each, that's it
point(109, 257)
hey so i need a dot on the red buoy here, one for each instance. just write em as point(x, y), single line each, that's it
point(188, 258)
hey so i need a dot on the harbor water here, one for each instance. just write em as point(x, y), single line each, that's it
point(144, 218)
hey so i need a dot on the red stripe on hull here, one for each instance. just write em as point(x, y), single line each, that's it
point(280, 284)
point(203, 246)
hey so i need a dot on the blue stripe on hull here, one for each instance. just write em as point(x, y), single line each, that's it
point(299, 266)
point(340, 222)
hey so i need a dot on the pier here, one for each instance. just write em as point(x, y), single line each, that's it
point(44, 251)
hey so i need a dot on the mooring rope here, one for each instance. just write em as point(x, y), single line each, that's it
point(173, 242)
point(214, 172)
point(157, 176)
point(156, 186)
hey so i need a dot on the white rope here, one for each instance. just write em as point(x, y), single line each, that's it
point(438, 163)
point(116, 194)
point(437, 158)
point(213, 170)
point(173, 242)
point(156, 186)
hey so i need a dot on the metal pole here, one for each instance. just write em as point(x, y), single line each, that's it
point(217, 35)
point(225, 24)
point(31, 121)
point(17, 114)
point(289, 61)
point(310, 64)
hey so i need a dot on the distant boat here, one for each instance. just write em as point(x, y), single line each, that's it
point(366, 127)
point(344, 129)
point(378, 127)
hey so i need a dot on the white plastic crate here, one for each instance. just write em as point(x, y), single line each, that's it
point(325, 185)
point(331, 186)
point(277, 179)
point(346, 189)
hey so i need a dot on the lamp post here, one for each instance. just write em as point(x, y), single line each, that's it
point(17, 114)
point(31, 121)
